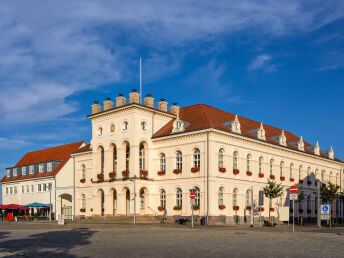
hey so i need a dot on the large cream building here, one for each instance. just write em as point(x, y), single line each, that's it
point(170, 151)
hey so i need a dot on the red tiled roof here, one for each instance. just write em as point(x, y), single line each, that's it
point(61, 153)
point(202, 116)
point(83, 149)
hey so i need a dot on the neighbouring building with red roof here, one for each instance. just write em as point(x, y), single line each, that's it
point(169, 151)
point(31, 179)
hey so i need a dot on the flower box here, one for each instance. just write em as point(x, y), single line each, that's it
point(272, 209)
point(112, 174)
point(177, 208)
point(282, 178)
point(143, 173)
point(249, 173)
point(272, 177)
point(248, 208)
point(235, 171)
point(177, 171)
point(291, 179)
point(222, 170)
point(100, 176)
point(309, 211)
point(235, 208)
point(196, 207)
point(309, 182)
point(222, 207)
point(125, 173)
point(82, 180)
point(82, 210)
point(161, 208)
point(300, 181)
point(195, 169)
point(161, 172)
point(260, 175)
point(261, 209)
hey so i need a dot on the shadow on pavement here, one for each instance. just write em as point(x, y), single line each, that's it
point(53, 243)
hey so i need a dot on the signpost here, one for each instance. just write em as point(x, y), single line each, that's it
point(325, 212)
point(293, 197)
point(192, 203)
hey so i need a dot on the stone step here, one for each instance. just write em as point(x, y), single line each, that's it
point(121, 219)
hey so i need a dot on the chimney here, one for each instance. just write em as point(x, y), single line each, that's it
point(96, 108)
point(149, 101)
point(175, 109)
point(108, 104)
point(120, 100)
point(162, 105)
point(134, 97)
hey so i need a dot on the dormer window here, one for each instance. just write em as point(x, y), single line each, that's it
point(179, 125)
point(234, 125)
point(8, 172)
point(24, 171)
point(15, 173)
point(50, 166)
point(31, 169)
point(281, 139)
point(40, 168)
point(316, 149)
point(259, 132)
point(331, 153)
point(300, 144)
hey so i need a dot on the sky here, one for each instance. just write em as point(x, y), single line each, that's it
point(277, 62)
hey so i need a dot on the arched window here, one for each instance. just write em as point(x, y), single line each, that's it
point(322, 176)
point(235, 160)
point(291, 170)
point(142, 198)
point(127, 157)
point(83, 172)
point(83, 201)
point(248, 162)
point(196, 158)
point(235, 197)
point(162, 162)
point(300, 172)
point(308, 173)
point(330, 179)
point(179, 160)
point(308, 203)
point(197, 196)
point(248, 198)
point(102, 160)
point(142, 157)
point(271, 166)
point(337, 179)
point(220, 158)
point(220, 196)
point(162, 198)
point(260, 165)
point(179, 197)
point(281, 168)
point(114, 165)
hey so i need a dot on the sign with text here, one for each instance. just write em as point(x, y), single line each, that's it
point(293, 197)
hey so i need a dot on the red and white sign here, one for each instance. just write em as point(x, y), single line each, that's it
point(192, 195)
point(293, 189)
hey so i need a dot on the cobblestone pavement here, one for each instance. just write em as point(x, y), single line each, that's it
point(166, 240)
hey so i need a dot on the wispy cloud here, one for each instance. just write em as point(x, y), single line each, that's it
point(7, 143)
point(261, 62)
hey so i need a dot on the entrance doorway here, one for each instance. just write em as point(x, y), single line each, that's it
point(127, 202)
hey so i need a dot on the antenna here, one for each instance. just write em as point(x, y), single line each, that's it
point(140, 82)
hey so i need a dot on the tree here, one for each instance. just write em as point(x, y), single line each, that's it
point(329, 194)
point(272, 191)
point(300, 198)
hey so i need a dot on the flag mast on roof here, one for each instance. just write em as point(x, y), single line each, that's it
point(140, 82)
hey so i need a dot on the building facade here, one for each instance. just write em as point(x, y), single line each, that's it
point(219, 154)
point(44, 176)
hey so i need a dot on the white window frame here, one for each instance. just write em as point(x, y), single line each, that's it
point(40, 168)
point(27, 188)
point(197, 196)
point(179, 197)
point(39, 188)
point(7, 191)
point(83, 201)
point(11, 190)
point(15, 172)
point(15, 189)
point(220, 196)
point(8, 172)
point(50, 167)
point(271, 166)
point(197, 158)
point(31, 169)
point(44, 187)
point(260, 165)
point(235, 160)
point(179, 160)
point(162, 198)
point(235, 197)
point(83, 172)
point(23, 190)
point(142, 157)
point(32, 188)
point(162, 162)
point(248, 198)
point(23, 171)
point(220, 158)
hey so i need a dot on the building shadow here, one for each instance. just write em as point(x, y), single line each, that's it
point(53, 243)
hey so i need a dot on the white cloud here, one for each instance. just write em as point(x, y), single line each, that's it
point(258, 62)
point(10, 144)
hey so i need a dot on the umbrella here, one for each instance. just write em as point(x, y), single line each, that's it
point(13, 206)
point(36, 204)
point(3, 206)
point(24, 208)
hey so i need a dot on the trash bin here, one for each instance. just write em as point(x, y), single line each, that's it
point(202, 221)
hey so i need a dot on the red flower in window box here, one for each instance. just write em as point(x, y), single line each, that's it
point(261, 175)
point(222, 170)
point(143, 172)
point(300, 181)
point(249, 173)
point(195, 169)
point(235, 171)
point(161, 208)
point(82, 180)
point(272, 177)
point(282, 178)
point(222, 207)
point(300, 210)
point(309, 211)
point(112, 174)
point(177, 171)
point(272, 209)
point(309, 182)
point(248, 208)
point(291, 179)
point(125, 173)
point(235, 208)
point(82, 210)
point(177, 208)
point(161, 172)
point(261, 209)
point(196, 207)
point(100, 176)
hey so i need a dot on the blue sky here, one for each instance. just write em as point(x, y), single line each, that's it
point(278, 62)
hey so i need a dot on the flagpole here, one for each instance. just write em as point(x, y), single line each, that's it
point(140, 82)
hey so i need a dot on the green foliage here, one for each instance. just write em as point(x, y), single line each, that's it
point(269, 224)
point(273, 190)
point(300, 195)
point(329, 193)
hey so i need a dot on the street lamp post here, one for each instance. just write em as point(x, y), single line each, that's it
point(50, 186)
point(134, 180)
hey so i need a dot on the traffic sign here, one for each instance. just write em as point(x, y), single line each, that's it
point(293, 196)
point(192, 202)
point(192, 195)
point(325, 209)
point(293, 189)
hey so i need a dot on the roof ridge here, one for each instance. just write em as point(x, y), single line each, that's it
point(56, 146)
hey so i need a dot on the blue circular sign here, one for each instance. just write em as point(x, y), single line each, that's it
point(325, 208)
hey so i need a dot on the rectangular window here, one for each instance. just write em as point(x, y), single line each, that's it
point(27, 189)
point(23, 190)
point(6, 190)
point(15, 190)
point(44, 187)
point(31, 169)
point(11, 190)
point(50, 166)
point(8, 172)
point(15, 172)
point(40, 168)
point(32, 188)
point(39, 188)
point(24, 171)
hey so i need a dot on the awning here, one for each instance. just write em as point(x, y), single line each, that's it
point(36, 204)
